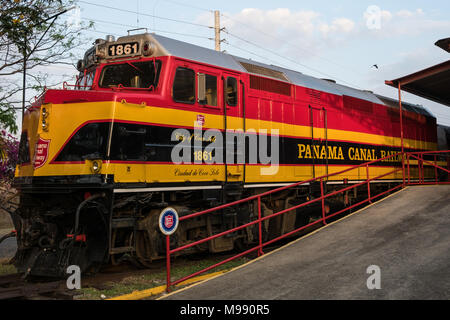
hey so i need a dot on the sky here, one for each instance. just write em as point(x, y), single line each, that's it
point(341, 40)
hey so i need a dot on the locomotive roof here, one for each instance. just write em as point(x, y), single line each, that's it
point(193, 52)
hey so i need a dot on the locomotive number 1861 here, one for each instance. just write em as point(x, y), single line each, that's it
point(123, 49)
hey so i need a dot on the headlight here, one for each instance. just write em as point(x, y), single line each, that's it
point(81, 65)
point(96, 166)
point(148, 49)
point(44, 113)
point(44, 125)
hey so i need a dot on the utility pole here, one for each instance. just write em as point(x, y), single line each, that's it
point(217, 29)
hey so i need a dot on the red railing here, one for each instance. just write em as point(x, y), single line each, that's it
point(259, 247)
point(67, 86)
point(434, 157)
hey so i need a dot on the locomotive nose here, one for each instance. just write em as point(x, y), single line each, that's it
point(34, 142)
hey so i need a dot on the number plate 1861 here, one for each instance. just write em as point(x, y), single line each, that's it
point(123, 49)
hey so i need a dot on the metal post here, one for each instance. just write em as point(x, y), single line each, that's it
point(423, 171)
point(409, 173)
point(168, 284)
point(217, 29)
point(401, 131)
point(24, 75)
point(435, 170)
point(368, 184)
point(420, 169)
point(323, 201)
point(260, 251)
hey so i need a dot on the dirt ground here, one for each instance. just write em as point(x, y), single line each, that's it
point(5, 221)
point(9, 246)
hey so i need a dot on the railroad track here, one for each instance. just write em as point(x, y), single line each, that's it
point(15, 287)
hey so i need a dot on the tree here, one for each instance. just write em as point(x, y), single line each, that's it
point(29, 31)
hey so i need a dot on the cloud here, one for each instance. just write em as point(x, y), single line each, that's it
point(297, 33)
point(338, 26)
point(409, 14)
point(315, 33)
point(343, 47)
point(404, 23)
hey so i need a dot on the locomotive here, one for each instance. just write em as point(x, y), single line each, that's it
point(154, 122)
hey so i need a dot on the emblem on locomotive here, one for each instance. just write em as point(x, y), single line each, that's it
point(41, 154)
point(168, 221)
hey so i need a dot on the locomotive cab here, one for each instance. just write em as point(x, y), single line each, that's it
point(64, 131)
point(69, 137)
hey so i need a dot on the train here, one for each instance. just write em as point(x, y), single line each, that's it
point(153, 122)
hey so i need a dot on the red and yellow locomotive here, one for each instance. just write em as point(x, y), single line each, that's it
point(97, 162)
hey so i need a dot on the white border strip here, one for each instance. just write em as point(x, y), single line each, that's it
point(247, 186)
point(167, 189)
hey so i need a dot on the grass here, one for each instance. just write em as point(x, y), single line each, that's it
point(6, 268)
point(148, 281)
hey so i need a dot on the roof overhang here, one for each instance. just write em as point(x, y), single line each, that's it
point(444, 44)
point(432, 83)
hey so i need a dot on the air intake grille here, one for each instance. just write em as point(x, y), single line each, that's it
point(358, 105)
point(270, 85)
point(251, 68)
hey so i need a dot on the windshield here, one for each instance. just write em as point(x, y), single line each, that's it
point(131, 75)
point(85, 80)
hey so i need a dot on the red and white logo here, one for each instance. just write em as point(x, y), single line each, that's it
point(41, 153)
point(200, 120)
point(168, 221)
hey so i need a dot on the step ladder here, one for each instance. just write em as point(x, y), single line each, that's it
point(122, 223)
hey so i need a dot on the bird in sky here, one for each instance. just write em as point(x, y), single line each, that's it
point(375, 65)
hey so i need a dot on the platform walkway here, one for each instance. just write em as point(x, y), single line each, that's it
point(407, 235)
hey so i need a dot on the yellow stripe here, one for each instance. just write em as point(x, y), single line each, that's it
point(138, 295)
point(64, 119)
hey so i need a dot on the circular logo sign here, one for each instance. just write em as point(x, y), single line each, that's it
point(168, 221)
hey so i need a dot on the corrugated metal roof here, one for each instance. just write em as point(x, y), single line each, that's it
point(432, 83)
point(196, 53)
point(407, 106)
point(192, 52)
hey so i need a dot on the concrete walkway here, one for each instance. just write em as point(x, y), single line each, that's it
point(406, 235)
point(8, 247)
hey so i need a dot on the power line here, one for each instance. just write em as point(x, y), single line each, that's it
point(189, 6)
point(291, 44)
point(289, 59)
point(146, 14)
point(134, 26)
point(254, 54)
point(224, 30)
point(201, 25)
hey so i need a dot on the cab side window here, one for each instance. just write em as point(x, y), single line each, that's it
point(207, 87)
point(184, 86)
point(231, 91)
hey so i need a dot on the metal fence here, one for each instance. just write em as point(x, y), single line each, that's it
point(409, 160)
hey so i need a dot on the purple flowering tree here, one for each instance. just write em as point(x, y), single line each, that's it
point(9, 155)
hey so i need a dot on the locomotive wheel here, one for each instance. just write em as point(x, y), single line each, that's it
point(143, 249)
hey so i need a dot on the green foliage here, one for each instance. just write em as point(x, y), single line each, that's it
point(8, 119)
point(28, 28)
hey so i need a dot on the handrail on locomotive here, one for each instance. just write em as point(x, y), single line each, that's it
point(407, 158)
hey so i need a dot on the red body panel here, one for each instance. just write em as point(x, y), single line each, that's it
point(343, 112)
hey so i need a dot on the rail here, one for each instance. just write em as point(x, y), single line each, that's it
point(67, 86)
point(431, 159)
point(410, 157)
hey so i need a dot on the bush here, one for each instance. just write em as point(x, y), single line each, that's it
point(9, 155)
